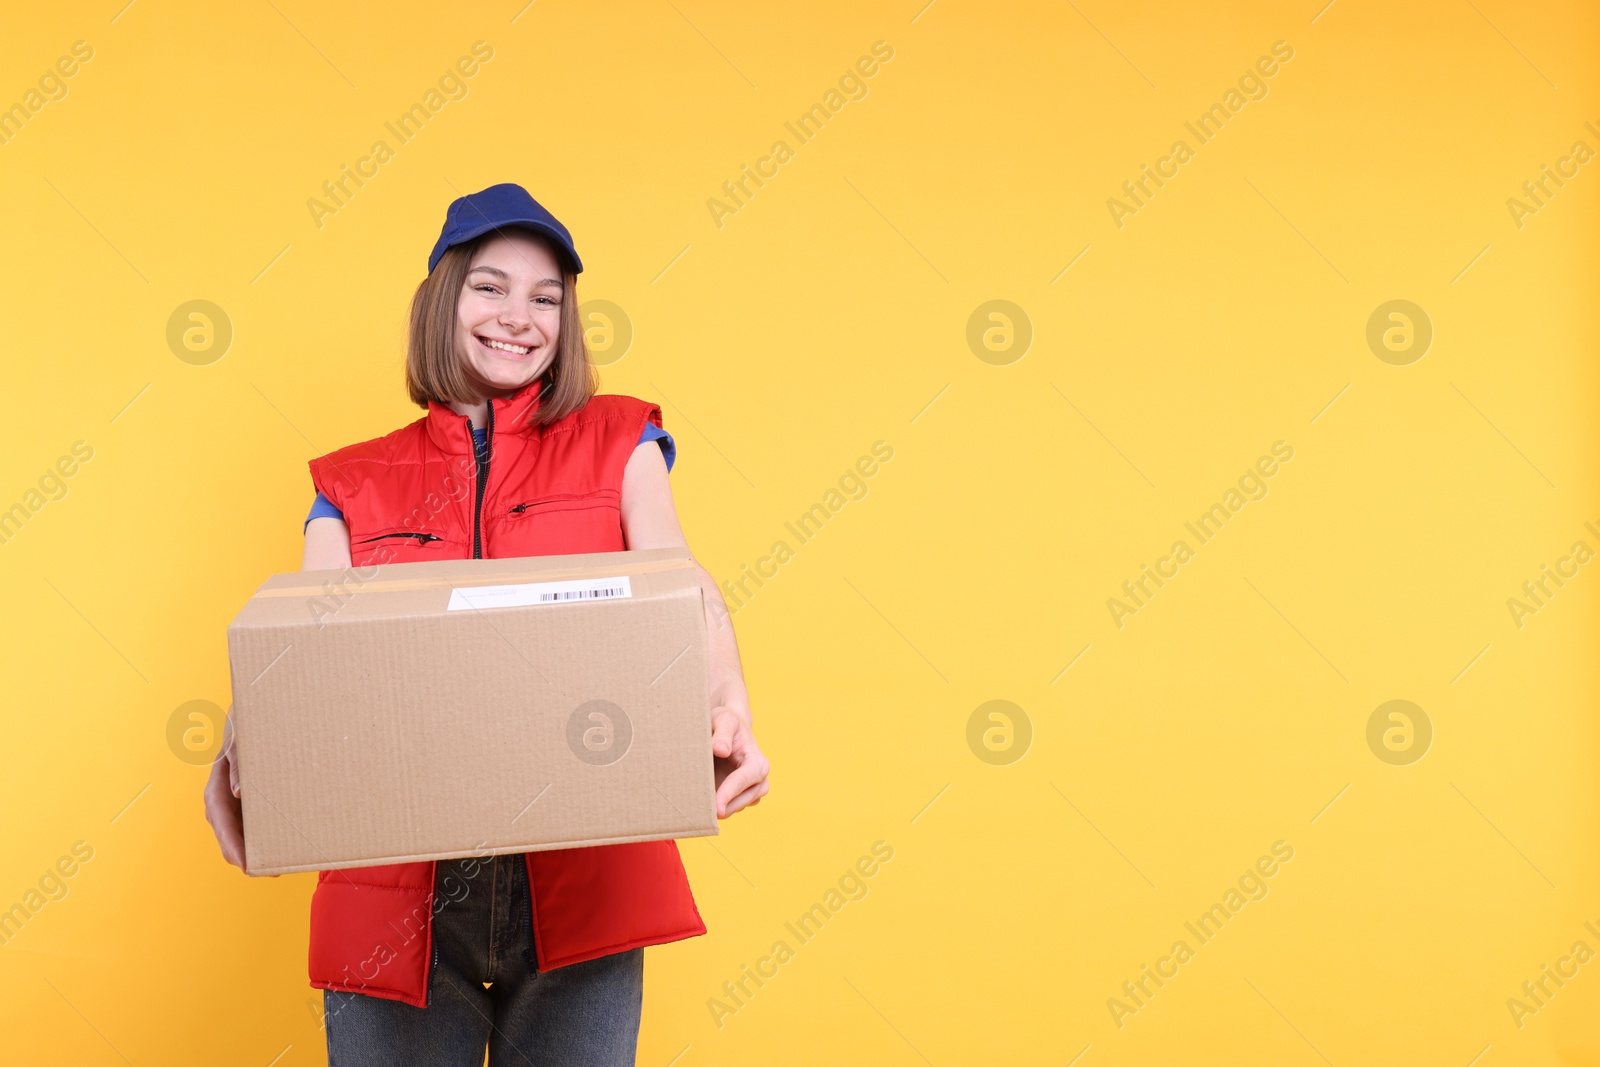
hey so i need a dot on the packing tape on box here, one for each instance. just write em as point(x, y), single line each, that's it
point(381, 584)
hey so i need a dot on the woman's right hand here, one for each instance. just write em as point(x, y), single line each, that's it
point(222, 800)
point(327, 548)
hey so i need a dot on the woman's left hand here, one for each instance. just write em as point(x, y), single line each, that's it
point(741, 769)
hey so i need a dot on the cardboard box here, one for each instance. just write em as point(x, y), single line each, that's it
point(413, 711)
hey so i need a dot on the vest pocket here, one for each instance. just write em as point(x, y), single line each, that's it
point(419, 537)
point(560, 522)
point(400, 546)
point(544, 505)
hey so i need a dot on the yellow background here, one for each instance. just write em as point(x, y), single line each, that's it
point(823, 316)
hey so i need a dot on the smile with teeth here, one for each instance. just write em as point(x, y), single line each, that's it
point(505, 346)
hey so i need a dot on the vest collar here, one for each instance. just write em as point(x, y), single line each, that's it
point(512, 415)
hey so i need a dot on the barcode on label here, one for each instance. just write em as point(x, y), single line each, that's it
point(522, 595)
point(585, 594)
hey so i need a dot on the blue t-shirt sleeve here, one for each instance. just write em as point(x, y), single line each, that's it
point(652, 432)
point(321, 508)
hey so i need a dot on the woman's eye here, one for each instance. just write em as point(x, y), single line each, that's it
point(485, 288)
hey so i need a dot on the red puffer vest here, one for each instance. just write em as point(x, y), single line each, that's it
point(418, 493)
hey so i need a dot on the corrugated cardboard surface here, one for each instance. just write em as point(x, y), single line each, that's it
point(373, 725)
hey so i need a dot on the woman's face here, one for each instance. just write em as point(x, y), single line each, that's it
point(508, 317)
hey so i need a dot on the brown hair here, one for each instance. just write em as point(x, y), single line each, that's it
point(434, 371)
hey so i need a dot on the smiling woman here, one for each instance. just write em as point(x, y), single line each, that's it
point(480, 306)
point(518, 455)
point(474, 333)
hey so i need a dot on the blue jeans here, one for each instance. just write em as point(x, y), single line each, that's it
point(582, 1015)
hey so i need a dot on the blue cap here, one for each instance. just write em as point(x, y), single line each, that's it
point(494, 208)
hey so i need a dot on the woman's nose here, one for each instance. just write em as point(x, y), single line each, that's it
point(514, 316)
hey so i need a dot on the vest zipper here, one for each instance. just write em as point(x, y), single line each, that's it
point(433, 967)
point(483, 478)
